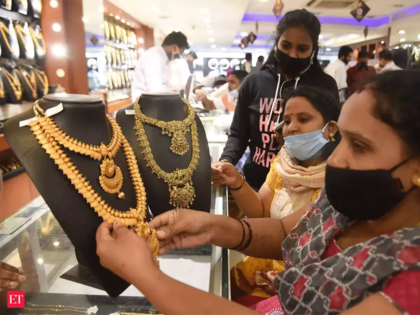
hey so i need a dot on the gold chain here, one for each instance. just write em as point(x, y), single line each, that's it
point(14, 82)
point(181, 189)
point(56, 308)
point(19, 31)
point(175, 129)
point(31, 82)
point(50, 138)
point(35, 37)
point(43, 79)
point(3, 28)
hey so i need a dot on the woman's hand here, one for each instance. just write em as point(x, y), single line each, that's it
point(182, 229)
point(224, 173)
point(10, 276)
point(123, 251)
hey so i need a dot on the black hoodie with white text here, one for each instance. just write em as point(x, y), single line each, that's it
point(250, 125)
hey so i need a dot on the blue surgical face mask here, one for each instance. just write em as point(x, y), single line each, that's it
point(306, 146)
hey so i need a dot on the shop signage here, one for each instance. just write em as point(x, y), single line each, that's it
point(361, 10)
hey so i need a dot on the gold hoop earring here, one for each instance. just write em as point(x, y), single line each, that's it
point(332, 137)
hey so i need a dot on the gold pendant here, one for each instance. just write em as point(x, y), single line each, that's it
point(111, 178)
point(144, 231)
point(179, 144)
point(181, 196)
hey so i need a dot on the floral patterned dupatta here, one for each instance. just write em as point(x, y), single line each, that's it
point(311, 285)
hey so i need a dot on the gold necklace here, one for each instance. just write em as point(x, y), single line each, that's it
point(175, 129)
point(43, 79)
point(50, 137)
point(3, 28)
point(31, 83)
point(19, 31)
point(35, 37)
point(14, 82)
point(181, 189)
point(111, 178)
point(2, 95)
point(56, 308)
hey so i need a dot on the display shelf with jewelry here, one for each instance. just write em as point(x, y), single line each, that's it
point(39, 42)
point(181, 188)
point(11, 84)
point(20, 6)
point(26, 44)
point(8, 13)
point(8, 38)
point(28, 81)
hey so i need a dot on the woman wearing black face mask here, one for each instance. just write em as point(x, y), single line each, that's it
point(356, 250)
point(293, 63)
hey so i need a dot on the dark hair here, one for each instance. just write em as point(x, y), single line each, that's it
point(192, 54)
point(260, 59)
point(344, 51)
point(326, 104)
point(240, 74)
point(363, 54)
point(248, 56)
point(386, 54)
point(176, 38)
point(305, 19)
point(398, 104)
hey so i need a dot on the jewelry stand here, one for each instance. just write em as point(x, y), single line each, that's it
point(10, 88)
point(167, 107)
point(39, 43)
point(42, 85)
point(20, 6)
point(27, 79)
point(8, 39)
point(26, 45)
point(84, 118)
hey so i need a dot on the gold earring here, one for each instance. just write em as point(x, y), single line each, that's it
point(332, 137)
point(416, 179)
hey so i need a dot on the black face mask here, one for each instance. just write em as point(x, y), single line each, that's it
point(346, 62)
point(292, 67)
point(362, 65)
point(363, 195)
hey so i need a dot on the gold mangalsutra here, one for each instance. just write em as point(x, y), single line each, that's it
point(175, 129)
point(111, 178)
point(42, 77)
point(14, 82)
point(52, 140)
point(31, 83)
point(181, 189)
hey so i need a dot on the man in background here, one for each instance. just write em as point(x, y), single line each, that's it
point(152, 72)
point(337, 69)
point(386, 61)
point(181, 69)
point(226, 96)
point(247, 66)
point(360, 72)
point(260, 63)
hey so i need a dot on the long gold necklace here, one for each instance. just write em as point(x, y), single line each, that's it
point(43, 79)
point(31, 82)
point(3, 28)
point(35, 37)
point(52, 139)
point(181, 189)
point(21, 31)
point(14, 82)
point(175, 129)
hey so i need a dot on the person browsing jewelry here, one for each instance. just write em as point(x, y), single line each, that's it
point(367, 216)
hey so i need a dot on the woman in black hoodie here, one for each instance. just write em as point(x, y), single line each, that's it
point(260, 97)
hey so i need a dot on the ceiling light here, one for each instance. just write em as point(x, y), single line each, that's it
point(211, 40)
point(402, 39)
point(207, 20)
point(140, 40)
point(328, 49)
point(263, 0)
point(85, 20)
point(210, 31)
point(56, 243)
point(54, 4)
point(382, 42)
point(60, 73)
point(122, 20)
point(59, 50)
point(397, 47)
point(223, 49)
point(320, 36)
point(213, 46)
point(56, 27)
point(243, 34)
point(117, 17)
point(40, 261)
point(401, 32)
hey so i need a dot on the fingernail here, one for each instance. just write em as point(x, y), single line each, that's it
point(161, 234)
point(13, 284)
point(117, 223)
point(21, 278)
point(20, 271)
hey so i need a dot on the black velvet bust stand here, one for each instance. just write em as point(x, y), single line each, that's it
point(167, 107)
point(84, 118)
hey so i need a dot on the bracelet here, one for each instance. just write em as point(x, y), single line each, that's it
point(243, 235)
point(249, 237)
point(242, 184)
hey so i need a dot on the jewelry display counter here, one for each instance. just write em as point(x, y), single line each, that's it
point(33, 240)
